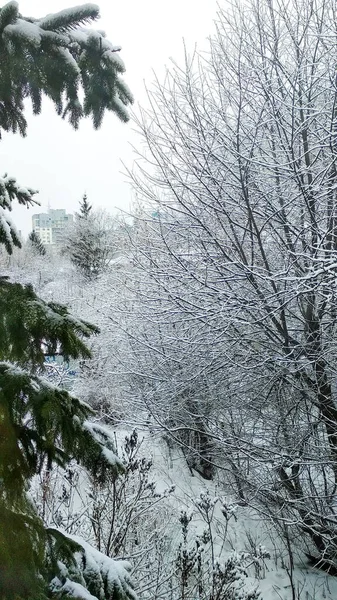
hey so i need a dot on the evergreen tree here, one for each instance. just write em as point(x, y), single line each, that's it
point(41, 425)
point(85, 208)
point(36, 243)
point(55, 57)
point(89, 244)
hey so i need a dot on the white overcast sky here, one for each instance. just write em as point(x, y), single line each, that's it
point(63, 164)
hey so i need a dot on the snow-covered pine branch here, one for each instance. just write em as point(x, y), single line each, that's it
point(10, 191)
point(87, 570)
point(89, 63)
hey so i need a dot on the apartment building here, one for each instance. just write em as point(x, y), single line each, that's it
point(51, 226)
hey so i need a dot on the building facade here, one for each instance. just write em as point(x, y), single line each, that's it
point(51, 226)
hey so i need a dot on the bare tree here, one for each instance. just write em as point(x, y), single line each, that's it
point(238, 256)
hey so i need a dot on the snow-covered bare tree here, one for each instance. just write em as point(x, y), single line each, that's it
point(239, 260)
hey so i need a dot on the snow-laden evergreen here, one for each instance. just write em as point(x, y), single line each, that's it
point(41, 425)
point(92, 240)
point(33, 49)
point(94, 571)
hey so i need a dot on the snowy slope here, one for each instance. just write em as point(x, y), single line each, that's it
point(273, 580)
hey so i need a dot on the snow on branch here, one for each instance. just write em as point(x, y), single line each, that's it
point(104, 576)
point(10, 190)
point(69, 18)
point(24, 30)
point(9, 235)
point(8, 14)
point(104, 437)
point(58, 42)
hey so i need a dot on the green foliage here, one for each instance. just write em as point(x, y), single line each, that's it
point(67, 19)
point(22, 547)
point(88, 568)
point(41, 425)
point(52, 56)
point(31, 329)
point(9, 191)
point(78, 563)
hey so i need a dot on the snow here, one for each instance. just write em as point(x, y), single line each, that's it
point(170, 468)
point(9, 189)
point(82, 34)
point(96, 566)
point(58, 38)
point(13, 369)
point(49, 312)
point(24, 29)
point(110, 456)
point(34, 32)
point(6, 226)
point(72, 13)
point(120, 105)
point(34, 384)
point(273, 581)
point(105, 438)
point(114, 59)
point(79, 36)
point(5, 200)
point(12, 3)
point(22, 190)
point(128, 92)
point(105, 43)
point(72, 589)
point(56, 318)
point(69, 59)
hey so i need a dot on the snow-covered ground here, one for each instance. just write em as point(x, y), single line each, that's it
point(245, 530)
point(236, 530)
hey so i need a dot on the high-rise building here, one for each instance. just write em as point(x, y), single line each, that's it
point(51, 226)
